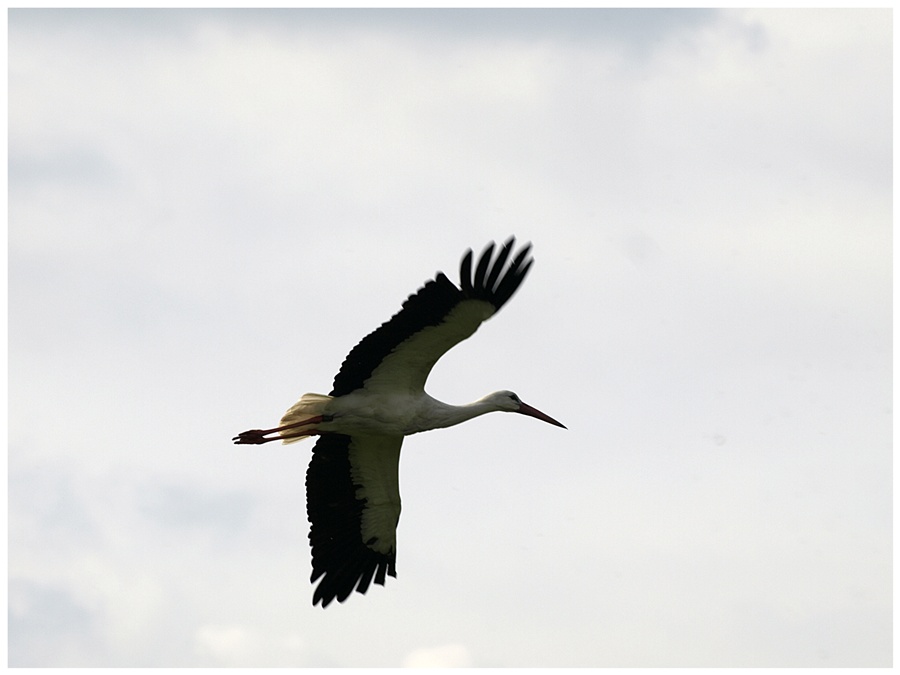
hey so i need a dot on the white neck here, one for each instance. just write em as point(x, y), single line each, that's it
point(440, 415)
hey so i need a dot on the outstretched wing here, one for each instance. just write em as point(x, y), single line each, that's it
point(400, 353)
point(353, 505)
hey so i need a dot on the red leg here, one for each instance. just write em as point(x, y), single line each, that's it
point(300, 434)
point(257, 436)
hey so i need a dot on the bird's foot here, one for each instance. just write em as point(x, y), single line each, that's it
point(253, 437)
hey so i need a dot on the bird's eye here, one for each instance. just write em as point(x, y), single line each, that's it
point(515, 398)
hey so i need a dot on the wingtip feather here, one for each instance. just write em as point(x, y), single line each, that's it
point(495, 281)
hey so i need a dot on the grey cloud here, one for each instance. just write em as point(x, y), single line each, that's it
point(47, 625)
point(641, 30)
point(179, 506)
point(64, 166)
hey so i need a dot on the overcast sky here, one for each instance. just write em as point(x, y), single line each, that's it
point(208, 210)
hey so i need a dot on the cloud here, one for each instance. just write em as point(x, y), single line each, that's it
point(47, 626)
point(444, 656)
point(239, 646)
point(177, 506)
point(208, 210)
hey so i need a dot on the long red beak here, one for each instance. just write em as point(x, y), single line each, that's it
point(526, 409)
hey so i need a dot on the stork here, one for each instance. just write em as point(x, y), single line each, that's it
point(378, 397)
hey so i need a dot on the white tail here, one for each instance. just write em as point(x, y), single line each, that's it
point(309, 406)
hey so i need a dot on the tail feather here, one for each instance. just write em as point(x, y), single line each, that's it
point(309, 406)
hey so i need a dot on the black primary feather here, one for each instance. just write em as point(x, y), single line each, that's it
point(339, 554)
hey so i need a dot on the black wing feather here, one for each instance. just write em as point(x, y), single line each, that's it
point(339, 555)
point(498, 264)
point(513, 277)
point(483, 263)
point(465, 273)
point(430, 306)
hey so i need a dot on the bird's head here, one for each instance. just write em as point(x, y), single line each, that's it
point(510, 402)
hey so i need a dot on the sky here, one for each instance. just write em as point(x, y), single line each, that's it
point(208, 209)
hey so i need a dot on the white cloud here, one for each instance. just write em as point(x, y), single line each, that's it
point(239, 646)
point(444, 656)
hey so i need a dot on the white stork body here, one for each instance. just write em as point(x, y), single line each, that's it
point(365, 412)
point(353, 491)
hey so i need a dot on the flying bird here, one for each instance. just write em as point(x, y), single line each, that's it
point(378, 397)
